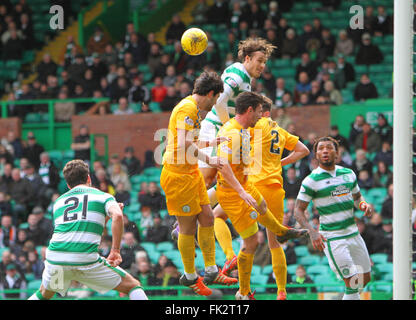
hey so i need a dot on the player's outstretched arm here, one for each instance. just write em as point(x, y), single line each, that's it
point(117, 228)
point(221, 105)
point(362, 205)
point(300, 151)
point(317, 239)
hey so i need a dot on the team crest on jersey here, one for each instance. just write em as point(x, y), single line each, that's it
point(340, 191)
point(346, 178)
point(232, 83)
point(189, 121)
point(253, 215)
point(186, 208)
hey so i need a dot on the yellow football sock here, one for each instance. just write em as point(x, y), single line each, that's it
point(186, 246)
point(270, 222)
point(245, 264)
point(206, 241)
point(279, 268)
point(224, 238)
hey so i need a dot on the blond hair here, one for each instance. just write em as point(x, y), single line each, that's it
point(250, 45)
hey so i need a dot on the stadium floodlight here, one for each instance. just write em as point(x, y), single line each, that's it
point(402, 151)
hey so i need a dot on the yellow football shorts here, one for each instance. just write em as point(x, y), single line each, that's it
point(274, 195)
point(185, 192)
point(242, 216)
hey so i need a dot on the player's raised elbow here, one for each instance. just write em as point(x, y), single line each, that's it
point(302, 149)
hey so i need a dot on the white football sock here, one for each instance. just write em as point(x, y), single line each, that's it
point(137, 293)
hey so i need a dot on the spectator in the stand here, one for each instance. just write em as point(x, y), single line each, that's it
point(119, 175)
point(255, 17)
point(334, 133)
point(184, 90)
point(385, 154)
point(46, 67)
point(387, 207)
point(365, 181)
point(119, 88)
point(13, 144)
point(291, 184)
point(170, 100)
point(154, 57)
point(88, 83)
point(369, 20)
point(383, 239)
point(212, 57)
point(145, 275)
point(130, 161)
point(331, 94)
point(287, 100)
point(81, 144)
point(289, 214)
point(35, 232)
point(170, 78)
point(122, 195)
point(77, 69)
point(131, 226)
point(219, 12)
point(49, 173)
point(138, 47)
point(154, 199)
point(361, 162)
point(368, 140)
point(301, 278)
point(365, 89)
point(159, 91)
point(123, 107)
point(5, 205)
point(290, 44)
point(45, 224)
point(157, 232)
point(37, 183)
point(109, 56)
point(383, 22)
point(160, 70)
point(344, 45)
point(306, 65)
point(8, 232)
point(302, 86)
point(200, 11)
point(383, 177)
point(274, 13)
point(344, 72)
point(262, 256)
point(6, 178)
point(64, 110)
point(33, 150)
point(175, 29)
point(13, 48)
point(368, 53)
point(146, 221)
point(279, 92)
point(35, 265)
point(138, 93)
point(356, 128)
point(384, 129)
point(327, 46)
point(22, 193)
point(129, 247)
point(13, 280)
point(97, 42)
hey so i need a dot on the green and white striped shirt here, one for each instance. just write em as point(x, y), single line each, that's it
point(236, 80)
point(79, 219)
point(332, 193)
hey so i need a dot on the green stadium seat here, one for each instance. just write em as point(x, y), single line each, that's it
point(153, 256)
point(24, 225)
point(255, 270)
point(173, 254)
point(385, 267)
point(261, 280)
point(318, 269)
point(148, 246)
point(137, 179)
point(163, 213)
point(379, 194)
point(309, 260)
point(34, 284)
point(133, 207)
point(267, 269)
point(29, 277)
point(33, 118)
point(155, 106)
point(164, 246)
point(151, 171)
point(301, 251)
point(387, 277)
point(381, 286)
point(236, 246)
point(13, 64)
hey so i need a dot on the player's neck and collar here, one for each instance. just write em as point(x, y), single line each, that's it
point(241, 121)
point(244, 69)
point(331, 170)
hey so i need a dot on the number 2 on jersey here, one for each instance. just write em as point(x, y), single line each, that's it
point(74, 216)
point(274, 141)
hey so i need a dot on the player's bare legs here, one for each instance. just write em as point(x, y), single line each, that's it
point(42, 294)
point(209, 175)
point(131, 287)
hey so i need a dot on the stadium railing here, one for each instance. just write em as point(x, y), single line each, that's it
point(51, 142)
point(185, 294)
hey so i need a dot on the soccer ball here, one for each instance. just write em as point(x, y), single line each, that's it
point(194, 41)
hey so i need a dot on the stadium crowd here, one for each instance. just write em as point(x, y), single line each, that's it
point(29, 179)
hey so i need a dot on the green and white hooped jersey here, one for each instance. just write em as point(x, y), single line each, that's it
point(236, 80)
point(79, 219)
point(332, 193)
